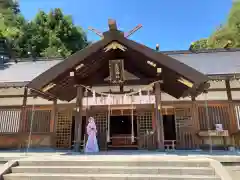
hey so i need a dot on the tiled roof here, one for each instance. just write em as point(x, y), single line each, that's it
point(208, 62)
point(24, 71)
point(224, 62)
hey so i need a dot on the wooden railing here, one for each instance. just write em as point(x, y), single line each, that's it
point(123, 141)
point(170, 145)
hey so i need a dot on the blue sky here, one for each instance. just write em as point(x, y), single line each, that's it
point(173, 24)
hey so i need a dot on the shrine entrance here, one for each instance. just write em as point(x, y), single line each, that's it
point(123, 134)
point(169, 127)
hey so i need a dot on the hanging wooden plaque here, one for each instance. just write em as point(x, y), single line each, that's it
point(116, 70)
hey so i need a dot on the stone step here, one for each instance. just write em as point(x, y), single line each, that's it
point(115, 170)
point(234, 171)
point(114, 163)
point(57, 176)
point(233, 168)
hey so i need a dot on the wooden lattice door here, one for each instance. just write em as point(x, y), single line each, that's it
point(101, 123)
point(144, 120)
point(64, 129)
point(185, 132)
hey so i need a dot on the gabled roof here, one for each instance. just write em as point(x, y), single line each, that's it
point(137, 53)
point(226, 62)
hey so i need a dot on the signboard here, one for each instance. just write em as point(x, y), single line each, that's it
point(222, 133)
point(116, 69)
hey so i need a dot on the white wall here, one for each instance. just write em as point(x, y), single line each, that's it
point(211, 95)
point(235, 83)
point(217, 84)
point(218, 95)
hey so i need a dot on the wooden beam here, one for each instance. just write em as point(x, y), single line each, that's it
point(144, 81)
point(112, 25)
point(158, 116)
point(193, 98)
point(222, 89)
point(228, 88)
point(53, 116)
point(23, 117)
point(36, 93)
point(78, 119)
point(13, 84)
point(195, 119)
point(14, 96)
point(133, 30)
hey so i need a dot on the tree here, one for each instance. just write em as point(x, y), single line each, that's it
point(9, 4)
point(227, 35)
point(50, 35)
point(10, 20)
point(9, 9)
point(47, 35)
point(224, 37)
point(199, 44)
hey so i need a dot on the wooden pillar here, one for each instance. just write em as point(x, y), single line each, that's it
point(23, 117)
point(158, 116)
point(228, 88)
point(78, 119)
point(53, 116)
point(196, 122)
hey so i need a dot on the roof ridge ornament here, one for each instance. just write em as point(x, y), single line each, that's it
point(131, 32)
point(97, 32)
point(114, 45)
point(112, 25)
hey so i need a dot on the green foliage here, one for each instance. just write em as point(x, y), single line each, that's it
point(48, 35)
point(56, 35)
point(9, 9)
point(200, 44)
point(227, 35)
point(224, 37)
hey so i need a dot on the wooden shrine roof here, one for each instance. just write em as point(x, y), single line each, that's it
point(91, 66)
point(227, 61)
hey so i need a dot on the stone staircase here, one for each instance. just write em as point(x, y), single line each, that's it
point(234, 170)
point(113, 167)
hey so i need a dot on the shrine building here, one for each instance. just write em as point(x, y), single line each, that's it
point(140, 98)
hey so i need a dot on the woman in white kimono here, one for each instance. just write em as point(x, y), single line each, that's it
point(92, 144)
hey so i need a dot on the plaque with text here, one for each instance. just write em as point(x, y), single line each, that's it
point(116, 69)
